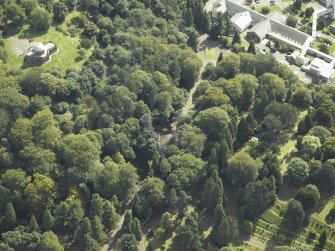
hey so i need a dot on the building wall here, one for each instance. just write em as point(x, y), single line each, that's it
point(282, 29)
point(38, 58)
point(251, 35)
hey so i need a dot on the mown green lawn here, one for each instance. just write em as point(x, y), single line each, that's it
point(65, 58)
point(212, 53)
point(271, 8)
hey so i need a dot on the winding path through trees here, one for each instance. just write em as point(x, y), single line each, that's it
point(204, 41)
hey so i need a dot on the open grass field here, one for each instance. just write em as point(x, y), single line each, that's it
point(66, 57)
point(271, 8)
point(212, 53)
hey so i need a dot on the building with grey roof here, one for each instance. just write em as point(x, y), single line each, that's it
point(276, 16)
point(39, 54)
point(279, 30)
point(259, 31)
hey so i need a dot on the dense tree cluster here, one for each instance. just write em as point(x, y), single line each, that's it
point(80, 148)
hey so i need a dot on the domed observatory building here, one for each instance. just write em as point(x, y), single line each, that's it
point(39, 54)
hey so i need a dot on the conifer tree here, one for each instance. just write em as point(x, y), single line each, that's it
point(33, 225)
point(83, 229)
point(109, 216)
point(98, 232)
point(188, 17)
point(236, 38)
point(173, 198)
point(136, 229)
point(89, 244)
point(97, 205)
point(220, 58)
point(213, 160)
point(252, 48)
point(10, 219)
point(128, 218)
point(48, 220)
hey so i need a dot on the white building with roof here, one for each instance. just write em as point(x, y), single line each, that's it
point(40, 54)
point(241, 21)
point(320, 68)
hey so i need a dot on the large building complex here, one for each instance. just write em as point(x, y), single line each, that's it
point(273, 26)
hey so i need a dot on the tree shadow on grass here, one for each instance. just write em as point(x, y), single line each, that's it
point(209, 43)
point(29, 33)
point(286, 236)
point(287, 191)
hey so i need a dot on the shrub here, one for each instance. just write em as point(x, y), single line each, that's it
point(86, 43)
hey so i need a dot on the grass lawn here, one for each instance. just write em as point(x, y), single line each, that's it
point(212, 53)
point(332, 49)
point(286, 149)
point(271, 8)
point(271, 217)
point(326, 209)
point(67, 48)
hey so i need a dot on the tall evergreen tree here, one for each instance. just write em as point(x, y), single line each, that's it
point(260, 104)
point(252, 48)
point(173, 198)
point(228, 138)
point(213, 191)
point(244, 132)
point(219, 214)
point(187, 236)
point(228, 27)
point(136, 229)
point(98, 232)
point(96, 205)
point(193, 37)
point(201, 18)
point(128, 218)
point(225, 154)
point(127, 243)
point(220, 58)
point(188, 17)
point(48, 220)
point(216, 29)
point(183, 201)
point(213, 160)
point(89, 244)
point(82, 230)
point(33, 225)
point(10, 220)
point(109, 215)
point(236, 38)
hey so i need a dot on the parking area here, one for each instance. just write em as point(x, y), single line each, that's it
point(20, 46)
point(282, 58)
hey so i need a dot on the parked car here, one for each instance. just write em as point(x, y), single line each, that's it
point(273, 50)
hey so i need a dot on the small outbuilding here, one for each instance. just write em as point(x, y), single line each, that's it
point(39, 54)
point(241, 21)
